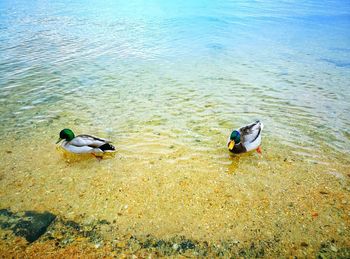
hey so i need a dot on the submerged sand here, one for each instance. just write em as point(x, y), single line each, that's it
point(281, 197)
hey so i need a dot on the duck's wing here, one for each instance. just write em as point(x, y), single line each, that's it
point(88, 140)
point(251, 135)
point(78, 149)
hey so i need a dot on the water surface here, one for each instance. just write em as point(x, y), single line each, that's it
point(167, 82)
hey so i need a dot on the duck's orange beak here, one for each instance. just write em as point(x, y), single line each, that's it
point(231, 144)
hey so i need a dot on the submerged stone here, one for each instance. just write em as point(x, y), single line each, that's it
point(103, 222)
point(72, 224)
point(6, 218)
point(33, 225)
point(187, 244)
point(6, 213)
point(30, 225)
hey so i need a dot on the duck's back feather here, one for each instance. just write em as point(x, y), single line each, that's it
point(87, 140)
point(251, 135)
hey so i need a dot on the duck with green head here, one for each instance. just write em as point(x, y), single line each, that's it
point(246, 138)
point(84, 144)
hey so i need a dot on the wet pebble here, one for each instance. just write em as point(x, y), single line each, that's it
point(334, 249)
point(304, 244)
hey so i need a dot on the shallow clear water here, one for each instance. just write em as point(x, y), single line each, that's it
point(167, 82)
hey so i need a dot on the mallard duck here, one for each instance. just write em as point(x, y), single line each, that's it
point(84, 144)
point(246, 139)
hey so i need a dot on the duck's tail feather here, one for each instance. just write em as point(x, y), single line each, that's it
point(106, 147)
point(261, 125)
point(257, 125)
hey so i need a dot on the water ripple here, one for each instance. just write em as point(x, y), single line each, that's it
point(198, 74)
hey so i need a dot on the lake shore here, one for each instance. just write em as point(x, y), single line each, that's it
point(65, 238)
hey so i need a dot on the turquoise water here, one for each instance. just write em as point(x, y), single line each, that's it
point(286, 63)
point(167, 81)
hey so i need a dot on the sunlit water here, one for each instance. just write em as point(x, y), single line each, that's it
point(167, 82)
